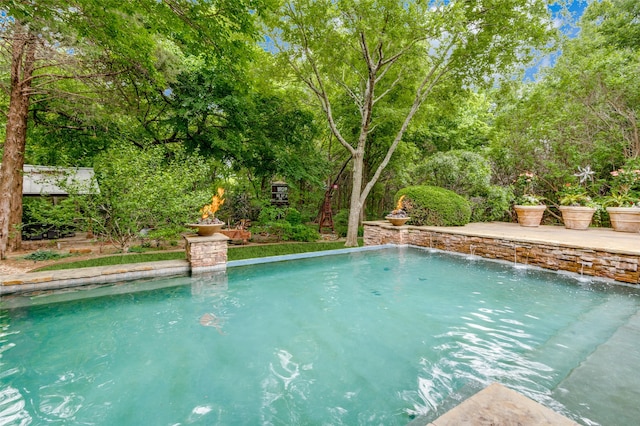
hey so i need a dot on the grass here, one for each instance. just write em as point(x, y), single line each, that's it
point(234, 253)
point(118, 259)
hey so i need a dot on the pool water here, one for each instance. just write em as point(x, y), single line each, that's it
point(373, 337)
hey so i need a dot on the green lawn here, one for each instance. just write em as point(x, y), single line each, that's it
point(234, 253)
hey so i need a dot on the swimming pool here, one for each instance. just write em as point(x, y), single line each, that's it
point(373, 337)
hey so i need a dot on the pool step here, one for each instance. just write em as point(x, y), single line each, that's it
point(571, 345)
point(607, 377)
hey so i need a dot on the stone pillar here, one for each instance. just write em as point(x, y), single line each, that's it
point(206, 254)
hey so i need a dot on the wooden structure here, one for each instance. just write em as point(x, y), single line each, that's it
point(326, 215)
point(279, 194)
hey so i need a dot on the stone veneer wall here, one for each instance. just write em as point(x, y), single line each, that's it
point(617, 266)
point(206, 253)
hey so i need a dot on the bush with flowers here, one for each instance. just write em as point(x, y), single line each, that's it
point(525, 188)
point(625, 187)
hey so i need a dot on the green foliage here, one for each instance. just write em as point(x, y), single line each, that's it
point(575, 195)
point(272, 213)
point(620, 199)
point(434, 206)
point(463, 172)
point(293, 216)
point(144, 188)
point(494, 204)
point(406, 53)
point(40, 255)
point(284, 224)
point(285, 231)
point(341, 222)
point(469, 174)
point(43, 211)
point(581, 112)
point(234, 253)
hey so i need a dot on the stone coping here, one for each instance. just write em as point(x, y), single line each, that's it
point(52, 280)
point(499, 405)
point(204, 239)
point(67, 278)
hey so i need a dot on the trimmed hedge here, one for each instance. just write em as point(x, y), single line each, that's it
point(434, 206)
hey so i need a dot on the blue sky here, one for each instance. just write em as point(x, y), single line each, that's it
point(568, 25)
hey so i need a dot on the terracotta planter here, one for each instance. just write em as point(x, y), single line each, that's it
point(577, 217)
point(529, 215)
point(397, 221)
point(624, 219)
point(206, 229)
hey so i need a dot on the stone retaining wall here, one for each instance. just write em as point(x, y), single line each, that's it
point(600, 263)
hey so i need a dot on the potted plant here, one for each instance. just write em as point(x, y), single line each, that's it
point(529, 207)
point(623, 203)
point(208, 224)
point(576, 206)
point(398, 216)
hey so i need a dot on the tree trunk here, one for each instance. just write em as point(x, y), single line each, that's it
point(356, 203)
point(22, 65)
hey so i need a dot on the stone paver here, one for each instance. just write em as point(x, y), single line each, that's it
point(595, 238)
point(49, 280)
point(498, 405)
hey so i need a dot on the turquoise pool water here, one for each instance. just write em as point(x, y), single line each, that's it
point(375, 337)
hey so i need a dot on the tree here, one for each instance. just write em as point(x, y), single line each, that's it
point(50, 41)
point(388, 56)
point(585, 111)
point(143, 188)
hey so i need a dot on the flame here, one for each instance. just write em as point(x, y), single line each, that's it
point(216, 202)
point(399, 204)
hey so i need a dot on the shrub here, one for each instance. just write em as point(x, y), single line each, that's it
point(341, 222)
point(155, 187)
point(40, 255)
point(303, 233)
point(463, 172)
point(494, 205)
point(434, 206)
point(284, 231)
point(270, 214)
point(293, 216)
point(468, 174)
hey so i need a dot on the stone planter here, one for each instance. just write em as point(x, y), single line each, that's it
point(397, 221)
point(577, 217)
point(624, 219)
point(529, 215)
point(206, 229)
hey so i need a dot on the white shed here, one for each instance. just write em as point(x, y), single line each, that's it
point(46, 180)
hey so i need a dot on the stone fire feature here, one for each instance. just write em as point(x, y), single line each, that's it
point(206, 254)
point(591, 252)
